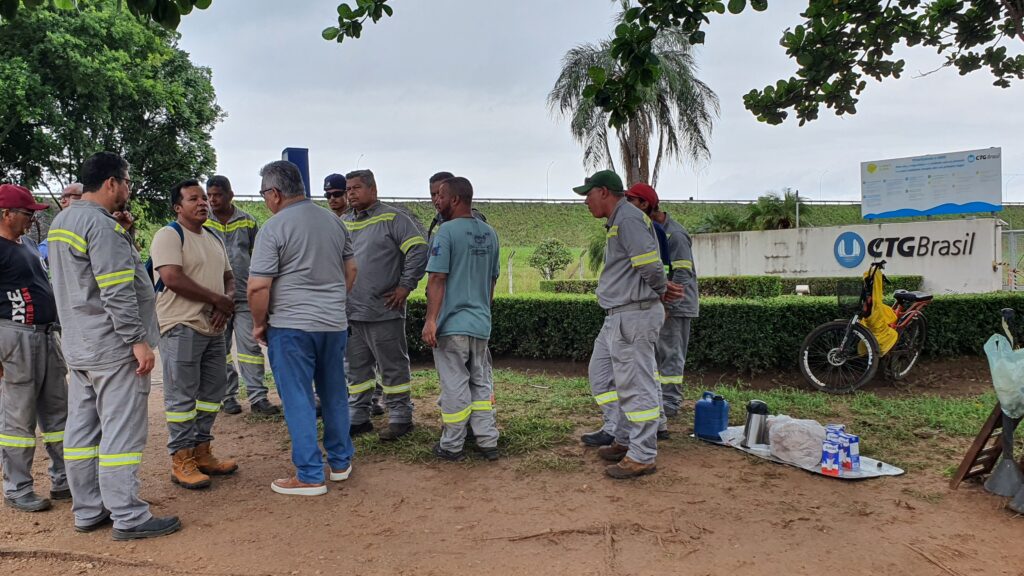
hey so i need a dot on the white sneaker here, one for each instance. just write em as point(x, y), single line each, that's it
point(340, 476)
point(293, 487)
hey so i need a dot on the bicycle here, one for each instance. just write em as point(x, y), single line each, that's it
point(841, 356)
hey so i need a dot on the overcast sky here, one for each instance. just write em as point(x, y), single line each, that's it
point(461, 85)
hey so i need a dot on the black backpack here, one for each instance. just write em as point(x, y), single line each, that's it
point(158, 285)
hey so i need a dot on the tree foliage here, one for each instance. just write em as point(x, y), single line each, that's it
point(676, 113)
point(721, 220)
point(839, 44)
point(774, 212)
point(76, 83)
point(167, 13)
point(551, 257)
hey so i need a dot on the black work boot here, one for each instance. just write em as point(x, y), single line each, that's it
point(360, 429)
point(149, 529)
point(394, 431)
point(599, 438)
point(30, 502)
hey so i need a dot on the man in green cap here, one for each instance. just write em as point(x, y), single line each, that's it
point(631, 290)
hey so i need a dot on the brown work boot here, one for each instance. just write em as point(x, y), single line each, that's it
point(209, 464)
point(612, 452)
point(629, 468)
point(184, 471)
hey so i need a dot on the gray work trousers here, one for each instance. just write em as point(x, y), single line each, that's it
point(671, 354)
point(194, 380)
point(381, 345)
point(33, 392)
point(103, 444)
point(467, 391)
point(621, 373)
point(251, 365)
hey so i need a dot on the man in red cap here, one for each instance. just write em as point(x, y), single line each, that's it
point(32, 387)
point(675, 333)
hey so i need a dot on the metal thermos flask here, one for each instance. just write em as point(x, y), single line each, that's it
point(755, 431)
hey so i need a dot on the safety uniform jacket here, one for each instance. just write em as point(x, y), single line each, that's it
point(105, 298)
point(633, 271)
point(390, 251)
point(682, 270)
point(239, 237)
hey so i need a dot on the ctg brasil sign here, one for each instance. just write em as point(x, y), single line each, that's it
point(850, 248)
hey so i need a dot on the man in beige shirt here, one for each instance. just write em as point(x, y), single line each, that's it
point(194, 301)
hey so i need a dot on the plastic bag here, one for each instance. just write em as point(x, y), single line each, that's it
point(1007, 368)
point(881, 317)
point(795, 441)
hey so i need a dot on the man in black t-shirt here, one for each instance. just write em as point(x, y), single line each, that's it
point(32, 386)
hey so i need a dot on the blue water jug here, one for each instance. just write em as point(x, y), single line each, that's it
point(710, 416)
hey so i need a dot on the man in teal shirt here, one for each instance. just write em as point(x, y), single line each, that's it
point(463, 268)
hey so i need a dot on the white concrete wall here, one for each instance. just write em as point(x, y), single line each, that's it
point(813, 252)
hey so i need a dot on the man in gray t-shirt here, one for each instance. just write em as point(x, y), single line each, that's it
point(301, 271)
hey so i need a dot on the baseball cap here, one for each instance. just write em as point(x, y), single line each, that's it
point(643, 192)
point(12, 196)
point(604, 179)
point(334, 182)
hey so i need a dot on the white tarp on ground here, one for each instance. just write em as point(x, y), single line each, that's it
point(869, 467)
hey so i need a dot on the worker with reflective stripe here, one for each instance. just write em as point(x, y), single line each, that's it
point(675, 336)
point(675, 333)
point(194, 307)
point(463, 268)
point(32, 386)
point(391, 255)
point(106, 307)
point(630, 289)
point(237, 229)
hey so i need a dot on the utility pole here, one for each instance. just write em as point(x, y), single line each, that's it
point(798, 209)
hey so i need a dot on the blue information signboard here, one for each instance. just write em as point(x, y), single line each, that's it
point(299, 157)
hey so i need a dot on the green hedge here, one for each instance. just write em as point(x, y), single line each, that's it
point(729, 286)
point(740, 286)
point(569, 286)
point(748, 335)
point(745, 286)
point(826, 285)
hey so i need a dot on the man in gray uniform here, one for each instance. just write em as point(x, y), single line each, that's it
point(630, 290)
point(237, 229)
point(106, 306)
point(675, 333)
point(391, 255)
point(32, 386)
point(463, 268)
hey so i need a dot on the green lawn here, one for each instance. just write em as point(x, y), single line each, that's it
point(540, 416)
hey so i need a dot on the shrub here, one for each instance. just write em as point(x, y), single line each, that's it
point(550, 258)
point(741, 334)
point(740, 286)
point(826, 285)
point(587, 286)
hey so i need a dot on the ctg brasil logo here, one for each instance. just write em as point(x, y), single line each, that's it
point(849, 250)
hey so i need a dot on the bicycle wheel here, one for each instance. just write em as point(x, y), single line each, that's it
point(830, 365)
point(908, 348)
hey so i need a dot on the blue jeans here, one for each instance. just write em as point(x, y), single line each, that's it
point(298, 359)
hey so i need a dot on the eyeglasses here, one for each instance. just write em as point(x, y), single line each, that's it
point(27, 213)
point(263, 193)
point(335, 194)
point(127, 181)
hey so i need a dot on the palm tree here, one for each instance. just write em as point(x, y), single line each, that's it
point(676, 114)
point(774, 212)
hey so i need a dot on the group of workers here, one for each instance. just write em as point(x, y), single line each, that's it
point(325, 292)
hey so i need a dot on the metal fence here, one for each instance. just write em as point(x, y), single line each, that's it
point(1013, 260)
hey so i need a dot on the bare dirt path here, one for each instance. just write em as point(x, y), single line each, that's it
point(708, 510)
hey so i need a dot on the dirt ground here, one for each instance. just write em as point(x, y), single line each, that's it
point(708, 510)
